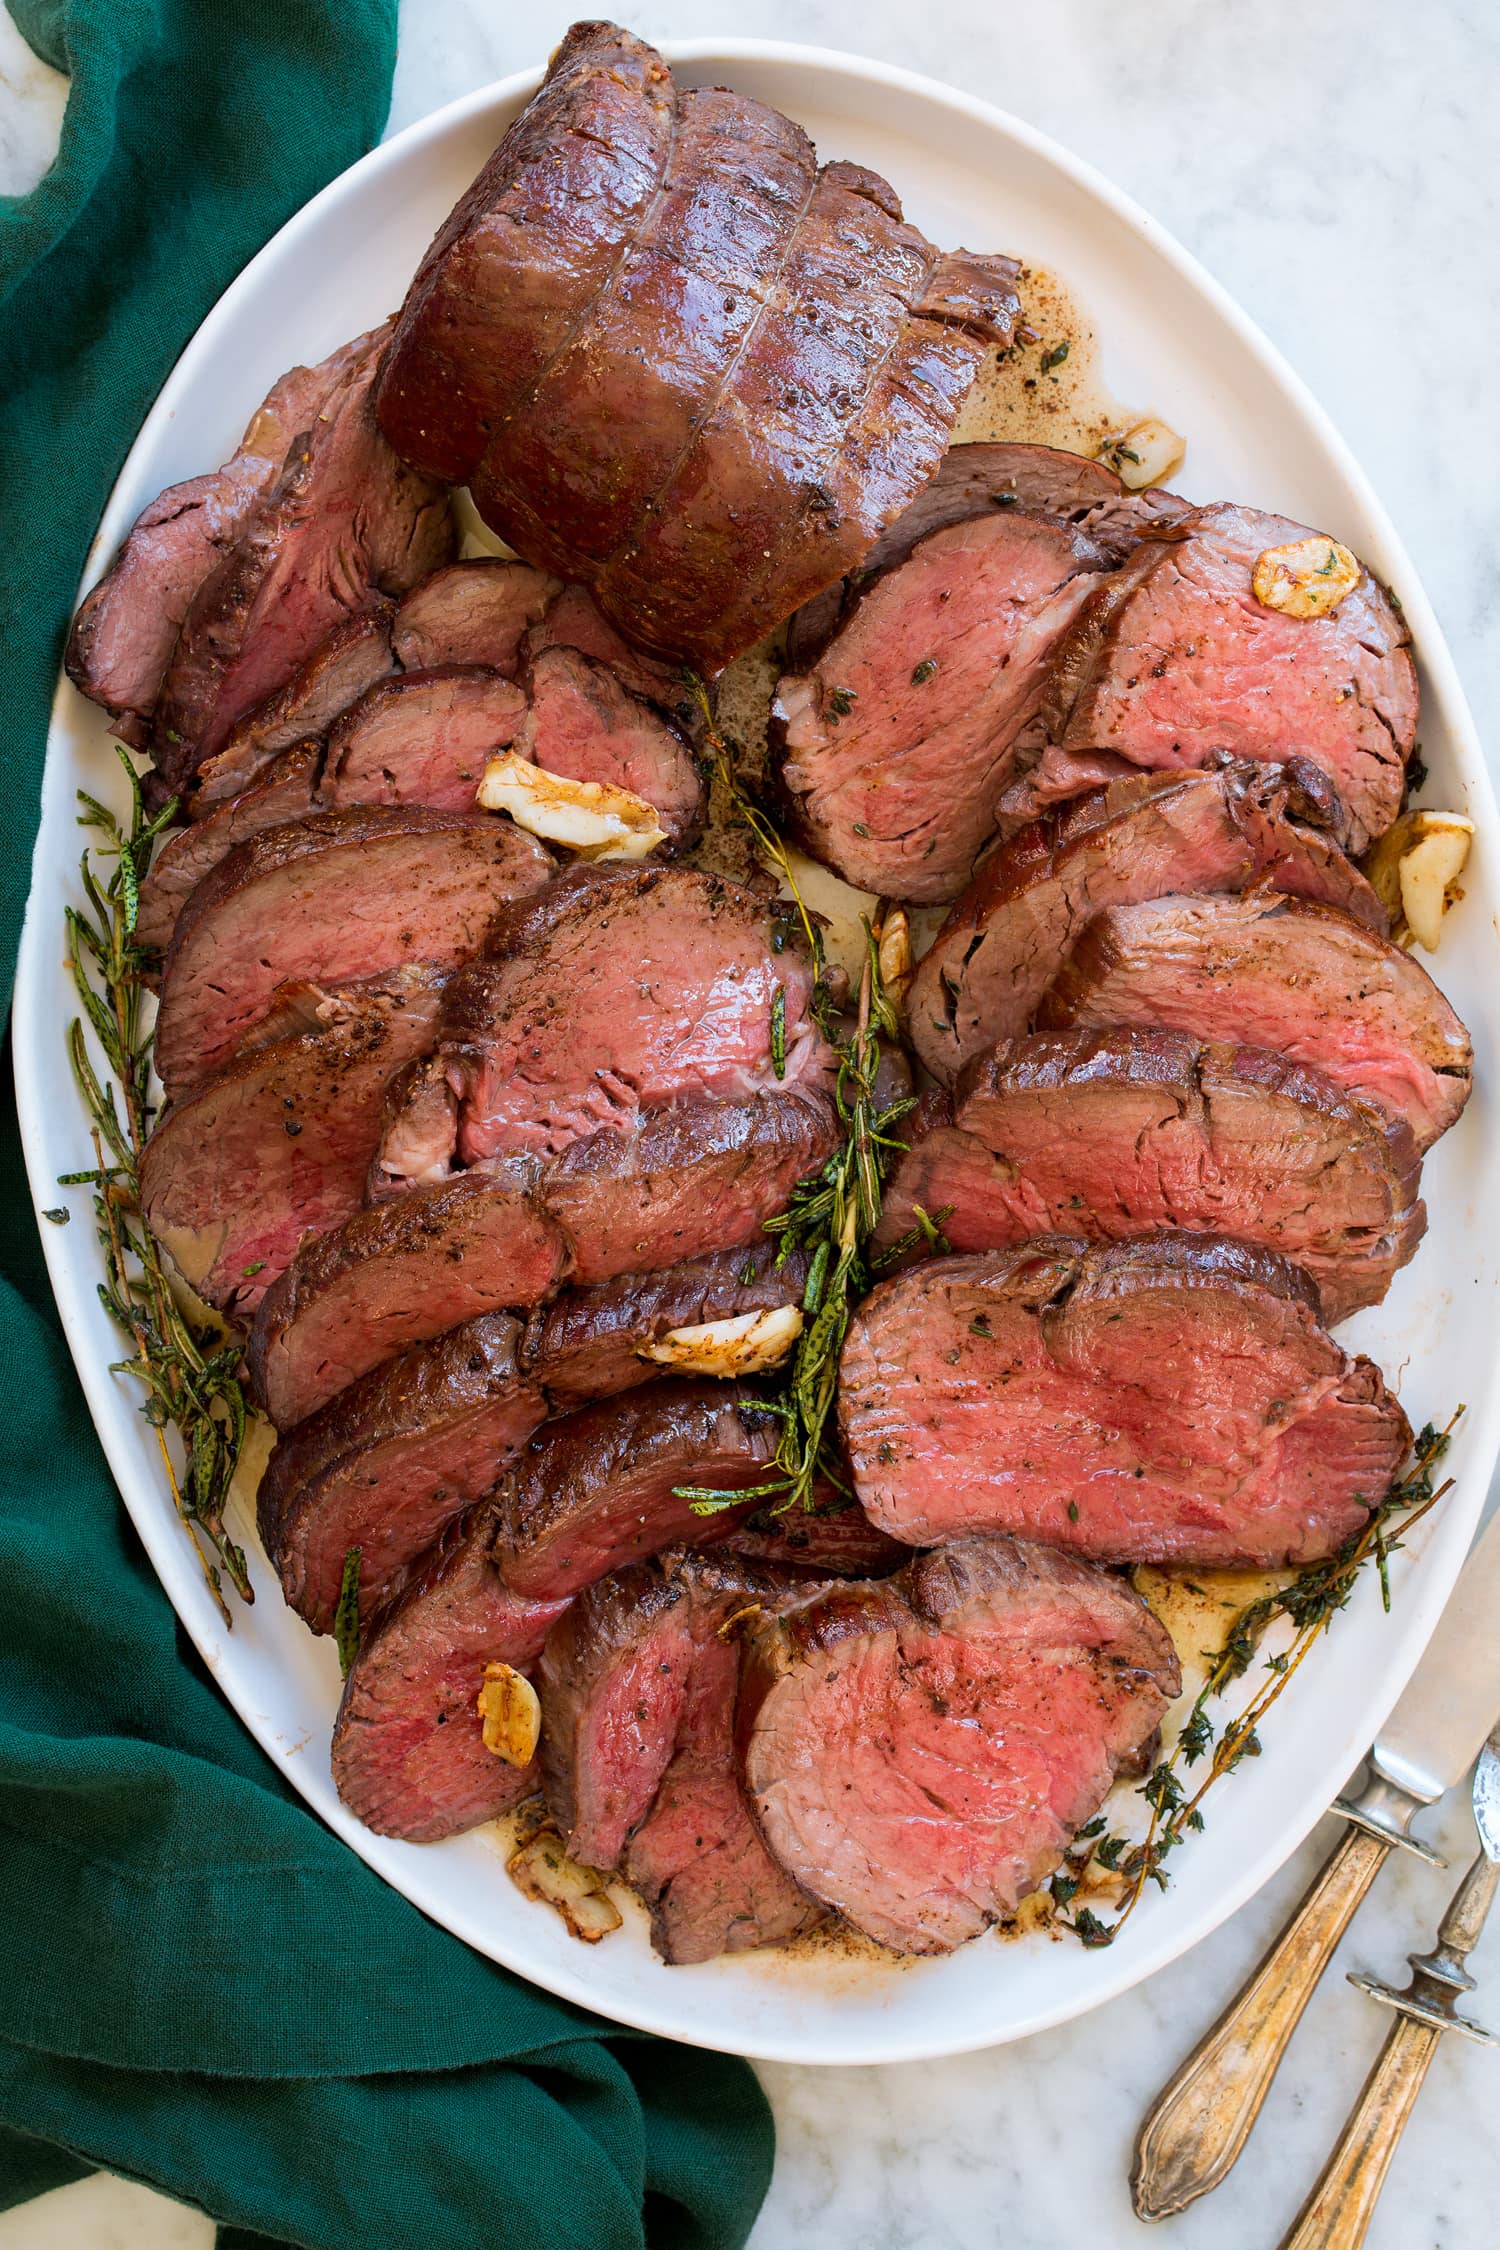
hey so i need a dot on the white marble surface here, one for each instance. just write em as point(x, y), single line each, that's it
point(1336, 166)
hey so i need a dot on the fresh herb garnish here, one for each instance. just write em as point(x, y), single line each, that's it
point(1056, 356)
point(778, 1032)
point(188, 1368)
point(346, 1616)
point(841, 701)
point(924, 671)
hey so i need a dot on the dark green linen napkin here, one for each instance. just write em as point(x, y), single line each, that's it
point(200, 1987)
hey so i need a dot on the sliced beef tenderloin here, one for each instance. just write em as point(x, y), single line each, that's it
point(1219, 830)
point(286, 791)
point(409, 1757)
point(588, 1343)
point(127, 627)
point(475, 612)
point(1108, 1134)
point(638, 1750)
point(278, 1144)
point(1175, 661)
point(686, 1179)
point(975, 480)
point(345, 895)
point(1274, 972)
point(606, 1485)
point(831, 1540)
point(341, 668)
point(897, 742)
point(1171, 1400)
point(698, 1859)
point(919, 1753)
point(345, 522)
point(422, 739)
point(574, 620)
point(386, 1465)
point(395, 1276)
point(586, 724)
point(626, 987)
point(783, 355)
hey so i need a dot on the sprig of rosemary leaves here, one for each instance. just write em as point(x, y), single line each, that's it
point(1309, 1604)
point(188, 1370)
point(832, 1216)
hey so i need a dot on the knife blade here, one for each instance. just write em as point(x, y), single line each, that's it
point(1449, 1705)
point(1487, 1796)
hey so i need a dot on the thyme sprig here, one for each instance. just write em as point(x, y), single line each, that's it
point(832, 1216)
point(1309, 1604)
point(187, 1369)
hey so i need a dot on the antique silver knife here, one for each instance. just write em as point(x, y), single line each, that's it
point(1201, 2120)
point(1337, 2213)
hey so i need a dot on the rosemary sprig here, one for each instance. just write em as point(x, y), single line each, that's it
point(188, 1371)
point(1309, 1604)
point(832, 1216)
point(346, 1625)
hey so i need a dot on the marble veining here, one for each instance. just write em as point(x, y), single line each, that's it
point(1336, 167)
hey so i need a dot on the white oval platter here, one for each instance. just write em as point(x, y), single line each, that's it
point(1173, 340)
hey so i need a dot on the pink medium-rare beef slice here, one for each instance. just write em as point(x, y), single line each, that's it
point(1108, 1134)
point(920, 1753)
point(784, 354)
point(1265, 971)
point(409, 1757)
point(386, 1465)
point(617, 1481)
point(277, 1144)
point(127, 626)
point(1175, 662)
point(354, 655)
point(629, 987)
point(395, 1276)
point(586, 724)
point(336, 897)
point(477, 612)
point(1170, 1399)
point(1223, 829)
point(346, 523)
point(423, 738)
point(895, 746)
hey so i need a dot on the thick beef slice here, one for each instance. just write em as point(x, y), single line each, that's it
point(1273, 972)
point(355, 654)
point(1111, 1133)
point(686, 1179)
point(975, 480)
point(345, 523)
point(1170, 1399)
point(1218, 830)
point(344, 895)
point(277, 1144)
point(897, 743)
point(1175, 662)
point(604, 1486)
point(641, 258)
point(834, 1540)
point(919, 1753)
point(127, 627)
point(394, 1276)
point(573, 619)
point(586, 724)
point(638, 1750)
point(472, 613)
point(286, 791)
point(587, 1343)
point(408, 1748)
point(422, 739)
point(388, 1463)
point(628, 987)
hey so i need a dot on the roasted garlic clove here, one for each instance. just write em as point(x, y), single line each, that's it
point(592, 818)
point(1144, 454)
point(748, 1344)
point(893, 955)
point(1307, 578)
point(510, 1715)
point(1414, 870)
point(543, 1871)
